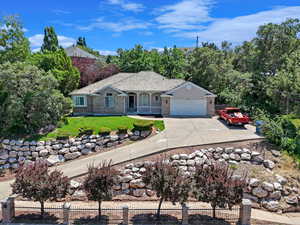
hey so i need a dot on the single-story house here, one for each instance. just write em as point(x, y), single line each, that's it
point(143, 93)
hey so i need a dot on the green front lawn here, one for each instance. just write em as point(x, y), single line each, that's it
point(112, 122)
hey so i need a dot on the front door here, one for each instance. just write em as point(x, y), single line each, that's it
point(131, 101)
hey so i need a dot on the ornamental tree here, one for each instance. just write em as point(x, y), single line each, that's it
point(35, 182)
point(217, 185)
point(50, 42)
point(29, 100)
point(168, 182)
point(99, 182)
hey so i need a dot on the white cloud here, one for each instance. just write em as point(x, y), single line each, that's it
point(60, 12)
point(129, 6)
point(185, 15)
point(107, 52)
point(36, 41)
point(119, 26)
point(242, 28)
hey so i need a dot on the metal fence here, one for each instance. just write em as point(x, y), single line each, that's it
point(89, 215)
point(82, 215)
point(52, 215)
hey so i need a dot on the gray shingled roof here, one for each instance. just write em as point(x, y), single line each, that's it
point(78, 52)
point(142, 81)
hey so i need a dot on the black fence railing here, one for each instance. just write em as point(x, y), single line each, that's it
point(80, 215)
point(89, 215)
point(52, 215)
point(148, 216)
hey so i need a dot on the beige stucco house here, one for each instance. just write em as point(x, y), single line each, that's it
point(143, 93)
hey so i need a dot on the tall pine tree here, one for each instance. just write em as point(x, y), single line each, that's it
point(50, 40)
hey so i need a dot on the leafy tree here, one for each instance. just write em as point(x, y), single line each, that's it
point(14, 46)
point(35, 182)
point(60, 65)
point(168, 182)
point(81, 42)
point(50, 40)
point(98, 183)
point(28, 99)
point(217, 185)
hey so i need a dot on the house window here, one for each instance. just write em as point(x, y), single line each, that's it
point(156, 98)
point(109, 100)
point(79, 101)
point(144, 99)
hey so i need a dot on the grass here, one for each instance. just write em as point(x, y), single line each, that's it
point(95, 123)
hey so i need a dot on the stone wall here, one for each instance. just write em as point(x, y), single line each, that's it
point(273, 196)
point(13, 152)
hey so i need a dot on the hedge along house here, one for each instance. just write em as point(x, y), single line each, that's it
point(143, 93)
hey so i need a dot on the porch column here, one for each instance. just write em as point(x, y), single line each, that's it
point(137, 102)
point(150, 102)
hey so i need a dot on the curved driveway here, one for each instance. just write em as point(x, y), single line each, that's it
point(179, 132)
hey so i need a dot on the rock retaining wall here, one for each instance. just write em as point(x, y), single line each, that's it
point(13, 152)
point(275, 196)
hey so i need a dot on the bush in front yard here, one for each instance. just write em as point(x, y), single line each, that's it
point(103, 131)
point(122, 130)
point(63, 136)
point(142, 125)
point(85, 131)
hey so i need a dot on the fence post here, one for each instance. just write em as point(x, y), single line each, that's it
point(245, 212)
point(66, 211)
point(125, 215)
point(8, 209)
point(185, 215)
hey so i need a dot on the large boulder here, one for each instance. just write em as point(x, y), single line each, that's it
point(259, 192)
point(54, 159)
point(43, 152)
point(138, 192)
point(267, 186)
point(254, 182)
point(72, 155)
point(276, 195)
point(269, 164)
point(293, 200)
point(271, 205)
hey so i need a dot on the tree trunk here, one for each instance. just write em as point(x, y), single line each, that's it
point(159, 207)
point(99, 210)
point(214, 212)
point(42, 209)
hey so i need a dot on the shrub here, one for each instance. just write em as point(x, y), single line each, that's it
point(85, 131)
point(35, 182)
point(104, 131)
point(142, 125)
point(168, 182)
point(217, 185)
point(122, 130)
point(63, 136)
point(99, 182)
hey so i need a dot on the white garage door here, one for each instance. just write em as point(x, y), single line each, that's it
point(183, 107)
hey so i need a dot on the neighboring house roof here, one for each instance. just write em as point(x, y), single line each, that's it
point(142, 81)
point(74, 51)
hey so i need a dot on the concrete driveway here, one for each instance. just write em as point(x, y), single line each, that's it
point(198, 131)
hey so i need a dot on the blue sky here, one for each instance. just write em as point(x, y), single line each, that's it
point(112, 24)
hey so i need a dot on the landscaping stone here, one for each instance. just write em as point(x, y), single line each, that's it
point(44, 152)
point(276, 195)
point(269, 164)
point(292, 200)
point(254, 182)
point(85, 151)
point(72, 155)
point(272, 206)
point(54, 159)
point(259, 192)
point(281, 179)
point(267, 186)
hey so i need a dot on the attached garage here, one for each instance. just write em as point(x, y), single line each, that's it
point(187, 107)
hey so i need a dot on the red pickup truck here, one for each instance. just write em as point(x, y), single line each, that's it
point(233, 116)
